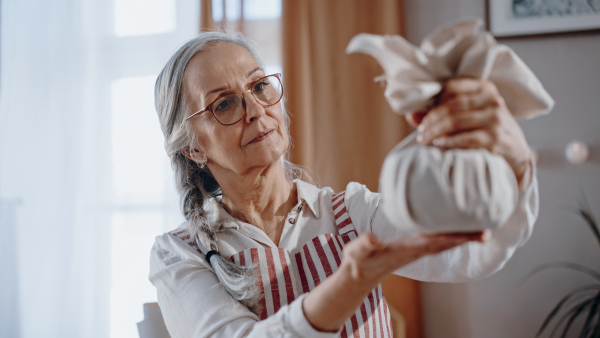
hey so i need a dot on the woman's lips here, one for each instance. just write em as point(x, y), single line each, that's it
point(262, 136)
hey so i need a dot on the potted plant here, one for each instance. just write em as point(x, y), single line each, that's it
point(582, 302)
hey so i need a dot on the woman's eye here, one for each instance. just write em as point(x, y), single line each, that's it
point(222, 105)
point(260, 86)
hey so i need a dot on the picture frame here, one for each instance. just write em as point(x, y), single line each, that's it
point(508, 18)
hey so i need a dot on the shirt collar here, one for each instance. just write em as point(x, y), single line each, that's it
point(310, 194)
point(217, 214)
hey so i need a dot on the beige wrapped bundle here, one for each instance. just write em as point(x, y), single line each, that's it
point(434, 190)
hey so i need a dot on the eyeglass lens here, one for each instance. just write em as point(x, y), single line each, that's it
point(229, 108)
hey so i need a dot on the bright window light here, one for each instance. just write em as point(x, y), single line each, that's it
point(217, 7)
point(273, 69)
point(144, 199)
point(144, 17)
point(262, 9)
point(253, 9)
point(132, 237)
point(232, 9)
point(140, 166)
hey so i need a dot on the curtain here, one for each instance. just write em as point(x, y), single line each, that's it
point(53, 173)
point(206, 16)
point(342, 127)
point(83, 172)
point(341, 124)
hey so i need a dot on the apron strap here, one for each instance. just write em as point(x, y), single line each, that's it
point(184, 235)
point(342, 218)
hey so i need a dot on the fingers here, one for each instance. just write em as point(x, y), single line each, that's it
point(462, 85)
point(466, 86)
point(412, 248)
point(472, 114)
point(422, 245)
point(370, 259)
point(470, 94)
point(471, 101)
point(437, 244)
point(364, 246)
point(467, 140)
point(448, 124)
point(415, 118)
point(467, 104)
point(477, 236)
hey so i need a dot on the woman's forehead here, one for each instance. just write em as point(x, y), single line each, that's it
point(219, 65)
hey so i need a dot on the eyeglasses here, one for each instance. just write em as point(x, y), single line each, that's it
point(229, 109)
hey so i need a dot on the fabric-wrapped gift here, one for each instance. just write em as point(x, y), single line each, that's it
point(434, 190)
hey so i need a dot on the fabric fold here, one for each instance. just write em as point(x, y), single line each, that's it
point(414, 75)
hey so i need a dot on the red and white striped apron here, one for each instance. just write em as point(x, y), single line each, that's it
point(284, 277)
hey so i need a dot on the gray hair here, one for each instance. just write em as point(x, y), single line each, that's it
point(195, 183)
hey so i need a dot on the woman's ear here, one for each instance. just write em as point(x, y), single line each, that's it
point(196, 155)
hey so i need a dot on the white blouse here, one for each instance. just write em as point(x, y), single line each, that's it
point(194, 304)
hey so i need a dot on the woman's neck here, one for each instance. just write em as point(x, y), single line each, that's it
point(260, 199)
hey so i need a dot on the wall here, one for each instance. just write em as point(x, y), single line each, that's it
point(498, 306)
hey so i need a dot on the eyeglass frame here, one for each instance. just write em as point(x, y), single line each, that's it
point(208, 108)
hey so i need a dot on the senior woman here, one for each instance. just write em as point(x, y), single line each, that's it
point(261, 252)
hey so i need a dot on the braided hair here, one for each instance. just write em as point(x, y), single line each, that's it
point(195, 183)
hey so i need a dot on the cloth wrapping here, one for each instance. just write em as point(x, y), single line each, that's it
point(473, 188)
point(414, 75)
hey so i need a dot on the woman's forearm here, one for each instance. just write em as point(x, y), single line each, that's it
point(331, 303)
point(366, 262)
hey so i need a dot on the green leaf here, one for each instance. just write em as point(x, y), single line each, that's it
point(586, 213)
point(596, 333)
point(568, 313)
point(589, 219)
point(562, 302)
point(588, 322)
point(576, 313)
point(563, 265)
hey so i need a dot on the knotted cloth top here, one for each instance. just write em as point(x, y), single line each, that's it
point(414, 75)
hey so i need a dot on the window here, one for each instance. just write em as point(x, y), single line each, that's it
point(262, 23)
point(144, 17)
point(144, 35)
point(144, 195)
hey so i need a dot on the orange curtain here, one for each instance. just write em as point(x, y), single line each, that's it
point(342, 126)
point(206, 16)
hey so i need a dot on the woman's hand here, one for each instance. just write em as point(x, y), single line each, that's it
point(367, 261)
point(472, 114)
point(370, 260)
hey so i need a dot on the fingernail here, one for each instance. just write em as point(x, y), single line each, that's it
point(421, 128)
point(420, 138)
point(437, 142)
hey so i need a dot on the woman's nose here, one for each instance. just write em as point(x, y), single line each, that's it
point(254, 109)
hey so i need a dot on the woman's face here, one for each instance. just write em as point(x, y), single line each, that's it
point(253, 143)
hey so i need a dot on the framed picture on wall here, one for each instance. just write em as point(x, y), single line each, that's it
point(526, 17)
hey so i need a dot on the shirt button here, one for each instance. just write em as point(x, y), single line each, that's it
point(292, 221)
point(300, 207)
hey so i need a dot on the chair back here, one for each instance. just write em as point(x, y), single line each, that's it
point(153, 325)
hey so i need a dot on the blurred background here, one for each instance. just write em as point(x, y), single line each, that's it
point(85, 184)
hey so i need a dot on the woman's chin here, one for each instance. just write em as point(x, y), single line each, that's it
point(268, 159)
point(266, 156)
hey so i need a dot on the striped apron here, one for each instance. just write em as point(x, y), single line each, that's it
point(285, 276)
